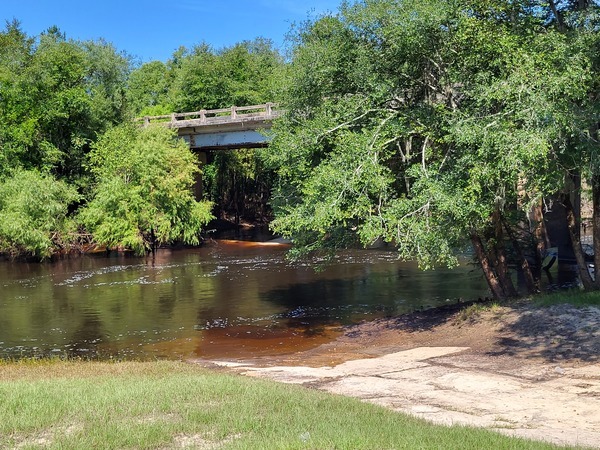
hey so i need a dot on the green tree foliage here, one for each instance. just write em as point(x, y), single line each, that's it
point(33, 214)
point(247, 73)
point(430, 123)
point(203, 78)
point(55, 96)
point(17, 131)
point(348, 156)
point(148, 89)
point(142, 197)
point(198, 82)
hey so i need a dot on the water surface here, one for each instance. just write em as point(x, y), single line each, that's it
point(227, 299)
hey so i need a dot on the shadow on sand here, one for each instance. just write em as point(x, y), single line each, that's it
point(555, 333)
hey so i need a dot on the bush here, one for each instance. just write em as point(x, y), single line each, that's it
point(33, 214)
point(143, 196)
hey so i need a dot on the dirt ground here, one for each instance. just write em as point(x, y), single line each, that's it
point(517, 369)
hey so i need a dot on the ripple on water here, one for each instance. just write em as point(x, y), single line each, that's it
point(77, 277)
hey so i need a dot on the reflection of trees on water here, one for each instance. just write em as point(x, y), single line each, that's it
point(375, 293)
point(327, 302)
point(121, 304)
point(94, 305)
point(87, 337)
point(166, 305)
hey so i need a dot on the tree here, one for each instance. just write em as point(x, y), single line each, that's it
point(142, 197)
point(521, 113)
point(148, 89)
point(432, 124)
point(34, 218)
point(55, 96)
point(239, 75)
point(362, 111)
point(248, 69)
point(16, 134)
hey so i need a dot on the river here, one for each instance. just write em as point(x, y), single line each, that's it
point(224, 300)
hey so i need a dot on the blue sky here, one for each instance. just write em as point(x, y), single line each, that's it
point(153, 29)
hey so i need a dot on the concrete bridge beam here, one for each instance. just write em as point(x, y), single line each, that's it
point(221, 129)
point(226, 140)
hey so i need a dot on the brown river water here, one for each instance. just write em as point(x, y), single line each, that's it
point(228, 299)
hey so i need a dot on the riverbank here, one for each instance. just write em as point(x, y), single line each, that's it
point(521, 369)
point(517, 369)
point(174, 405)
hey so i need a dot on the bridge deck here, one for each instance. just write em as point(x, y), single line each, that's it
point(252, 116)
point(221, 129)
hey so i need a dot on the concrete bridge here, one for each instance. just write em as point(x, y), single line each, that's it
point(222, 129)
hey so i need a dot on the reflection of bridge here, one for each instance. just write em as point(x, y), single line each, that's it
point(222, 129)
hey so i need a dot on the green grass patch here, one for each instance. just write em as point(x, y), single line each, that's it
point(473, 312)
point(74, 405)
point(573, 297)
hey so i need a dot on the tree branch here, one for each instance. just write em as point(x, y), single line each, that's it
point(345, 124)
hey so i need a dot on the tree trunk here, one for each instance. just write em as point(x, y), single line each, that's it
point(531, 282)
point(574, 234)
point(488, 271)
point(557, 15)
point(596, 227)
point(501, 264)
point(541, 238)
point(236, 202)
point(152, 241)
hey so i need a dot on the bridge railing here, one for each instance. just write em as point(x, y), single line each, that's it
point(214, 116)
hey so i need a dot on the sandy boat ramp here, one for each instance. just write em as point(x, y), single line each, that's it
point(519, 370)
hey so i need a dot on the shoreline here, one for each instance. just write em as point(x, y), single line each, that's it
point(517, 368)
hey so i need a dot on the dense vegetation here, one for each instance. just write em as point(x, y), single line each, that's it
point(438, 125)
point(75, 170)
point(247, 73)
point(435, 125)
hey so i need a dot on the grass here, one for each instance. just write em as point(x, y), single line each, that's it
point(573, 297)
point(472, 313)
point(74, 405)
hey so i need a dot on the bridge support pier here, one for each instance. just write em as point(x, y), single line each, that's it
point(198, 186)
